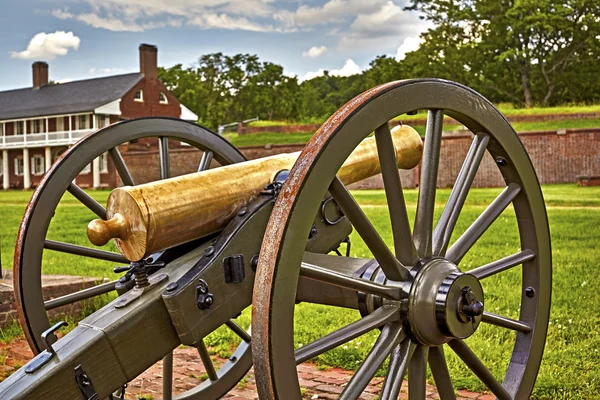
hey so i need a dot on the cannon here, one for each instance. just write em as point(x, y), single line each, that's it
point(198, 249)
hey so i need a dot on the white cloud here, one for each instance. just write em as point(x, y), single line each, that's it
point(46, 46)
point(141, 15)
point(410, 43)
point(389, 23)
point(224, 21)
point(106, 71)
point(335, 10)
point(349, 68)
point(315, 52)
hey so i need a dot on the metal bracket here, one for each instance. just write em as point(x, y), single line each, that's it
point(42, 359)
point(324, 214)
point(135, 293)
point(85, 384)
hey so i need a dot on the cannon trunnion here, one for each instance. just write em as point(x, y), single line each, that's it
point(195, 251)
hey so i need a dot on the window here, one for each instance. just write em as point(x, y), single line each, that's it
point(138, 96)
point(60, 124)
point(83, 122)
point(19, 127)
point(19, 166)
point(37, 165)
point(103, 120)
point(103, 159)
point(36, 126)
point(86, 170)
point(162, 98)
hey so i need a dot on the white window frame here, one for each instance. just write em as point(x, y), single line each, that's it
point(139, 99)
point(103, 161)
point(83, 118)
point(162, 98)
point(86, 170)
point(35, 128)
point(19, 165)
point(60, 124)
point(17, 125)
point(34, 170)
point(102, 121)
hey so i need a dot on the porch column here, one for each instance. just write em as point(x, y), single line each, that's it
point(48, 157)
point(26, 173)
point(5, 171)
point(96, 173)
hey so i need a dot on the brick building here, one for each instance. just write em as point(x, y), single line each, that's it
point(39, 123)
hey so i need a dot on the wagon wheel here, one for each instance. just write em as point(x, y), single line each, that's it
point(33, 240)
point(438, 302)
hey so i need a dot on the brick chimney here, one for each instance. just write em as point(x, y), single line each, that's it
point(148, 60)
point(40, 74)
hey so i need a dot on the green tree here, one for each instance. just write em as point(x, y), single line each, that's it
point(536, 40)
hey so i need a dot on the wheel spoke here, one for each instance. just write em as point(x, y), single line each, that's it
point(505, 322)
point(87, 200)
point(417, 373)
point(470, 359)
point(208, 364)
point(84, 251)
point(122, 170)
point(388, 339)
point(238, 331)
point(396, 370)
point(502, 264)
point(167, 379)
point(163, 149)
point(331, 277)
point(441, 376)
point(389, 263)
point(71, 298)
point(427, 186)
point(207, 157)
point(404, 246)
point(372, 321)
point(445, 226)
point(482, 223)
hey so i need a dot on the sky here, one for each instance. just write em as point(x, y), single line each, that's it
point(83, 39)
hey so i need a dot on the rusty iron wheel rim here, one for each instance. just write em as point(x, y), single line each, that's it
point(38, 214)
point(281, 254)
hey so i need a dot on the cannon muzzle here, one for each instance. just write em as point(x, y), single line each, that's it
point(154, 216)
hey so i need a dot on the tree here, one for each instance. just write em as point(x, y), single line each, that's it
point(538, 40)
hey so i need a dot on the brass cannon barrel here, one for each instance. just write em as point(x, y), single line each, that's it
point(147, 218)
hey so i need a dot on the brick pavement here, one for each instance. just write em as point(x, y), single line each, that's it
point(188, 372)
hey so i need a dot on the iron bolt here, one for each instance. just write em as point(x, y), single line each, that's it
point(209, 251)
point(171, 287)
point(254, 263)
point(313, 232)
point(243, 212)
point(529, 291)
point(501, 161)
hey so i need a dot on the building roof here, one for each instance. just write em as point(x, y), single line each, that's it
point(65, 98)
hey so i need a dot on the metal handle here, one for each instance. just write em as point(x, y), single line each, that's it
point(48, 335)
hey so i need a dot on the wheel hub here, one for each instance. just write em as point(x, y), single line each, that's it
point(443, 303)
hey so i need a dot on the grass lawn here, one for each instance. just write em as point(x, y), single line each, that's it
point(260, 139)
point(506, 108)
point(571, 362)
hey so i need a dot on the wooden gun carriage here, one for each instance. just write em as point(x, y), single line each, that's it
point(201, 248)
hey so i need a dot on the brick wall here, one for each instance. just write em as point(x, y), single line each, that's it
point(557, 158)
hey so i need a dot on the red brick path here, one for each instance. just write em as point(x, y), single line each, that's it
point(188, 372)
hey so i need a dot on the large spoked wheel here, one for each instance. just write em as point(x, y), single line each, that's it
point(424, 302)
point(35, 248)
